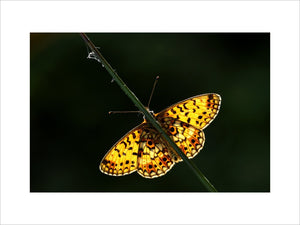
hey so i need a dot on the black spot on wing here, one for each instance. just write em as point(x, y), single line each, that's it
point(129, 142)
point(123, 142)
point(184, 105)
point(133, 135)
point(179, 107)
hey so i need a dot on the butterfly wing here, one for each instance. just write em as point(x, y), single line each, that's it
point(154, 154)
point(121, 159)
point(156, 157)
point(143, 148)
point(188, 138)
point(198, 111)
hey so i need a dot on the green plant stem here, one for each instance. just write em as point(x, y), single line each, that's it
point(98, 56)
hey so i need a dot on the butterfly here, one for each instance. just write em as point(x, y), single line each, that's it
point(144, 150)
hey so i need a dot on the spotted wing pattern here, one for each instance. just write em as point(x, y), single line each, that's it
point(154, 157)
point(188, 138)
point(144, 150)
point(198, 111)
point(121, 159)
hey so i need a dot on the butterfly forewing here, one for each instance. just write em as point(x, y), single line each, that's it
point(121, 159)
point(198, 111)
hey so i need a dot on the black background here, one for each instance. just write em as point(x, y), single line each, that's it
point(70, 96)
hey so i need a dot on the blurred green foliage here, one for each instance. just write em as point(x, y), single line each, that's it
point(70, 96)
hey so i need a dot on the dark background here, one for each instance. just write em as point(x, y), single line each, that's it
point(70, 96)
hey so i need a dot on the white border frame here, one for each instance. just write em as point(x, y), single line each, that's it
point(19, 18)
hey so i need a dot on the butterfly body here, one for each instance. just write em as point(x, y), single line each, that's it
point(144, 150)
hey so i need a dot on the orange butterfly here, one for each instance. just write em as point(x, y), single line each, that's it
point(144, 150)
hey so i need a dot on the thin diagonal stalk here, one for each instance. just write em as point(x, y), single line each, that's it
point(98, 56)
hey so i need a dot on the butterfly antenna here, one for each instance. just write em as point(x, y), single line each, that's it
point(115, 112)
point(155, 82)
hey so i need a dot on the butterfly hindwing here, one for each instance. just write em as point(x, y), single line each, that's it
point(154, 158)
point(198, 111)
point(188, 138)
point(121, 159)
